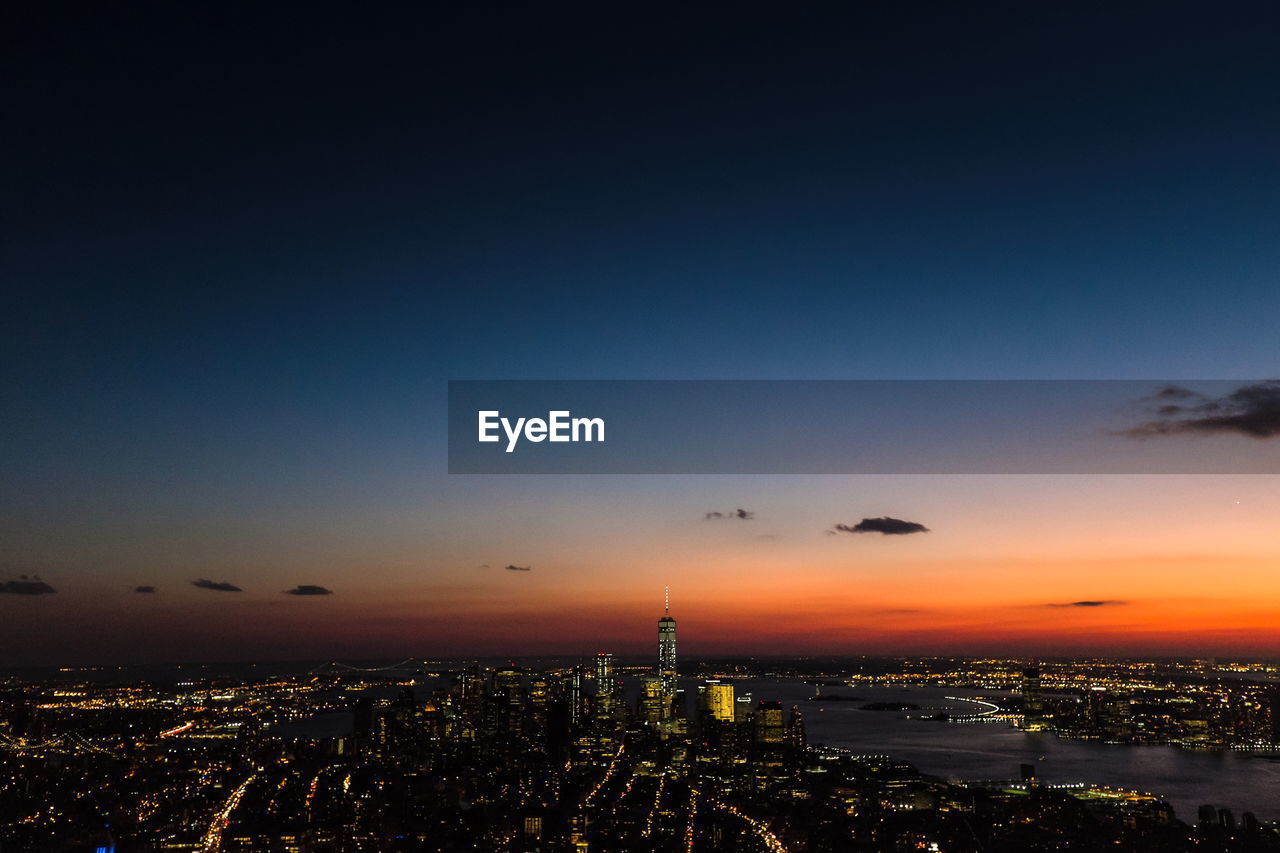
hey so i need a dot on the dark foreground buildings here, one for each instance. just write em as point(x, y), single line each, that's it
point(597, 757)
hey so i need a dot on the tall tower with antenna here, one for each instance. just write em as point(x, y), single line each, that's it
point(667, 649)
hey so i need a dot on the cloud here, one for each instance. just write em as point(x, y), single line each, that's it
point(308, 589)
point(518, 568)
point(147, 590)
point(1096, 603)
point(1174, 392)
point(1250, 410)
point(740, 514)
point(886, 525)
point(25, 585)
point(217, 586)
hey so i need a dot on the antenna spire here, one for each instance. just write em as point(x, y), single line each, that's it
point(666, 600)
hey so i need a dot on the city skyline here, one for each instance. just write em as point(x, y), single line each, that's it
point(561, 756)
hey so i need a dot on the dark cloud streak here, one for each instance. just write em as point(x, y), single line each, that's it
point(1088, 603)
point(740, 514)
point(25, 585)
point(216, 586)
point(1174, 392)
point(308, 589)
point(1250, 410)
point(885, 525)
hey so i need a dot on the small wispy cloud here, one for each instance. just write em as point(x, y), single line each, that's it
point(884, 524)
point(1251, 410)
point(216, 586)
point(1174, 392)
point(145, 590)
point(740, 514)
point(26, 585)
point(308, 589)
point(1088, 603)
point(513, 568)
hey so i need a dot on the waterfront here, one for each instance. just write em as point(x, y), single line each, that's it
point(1187, 778)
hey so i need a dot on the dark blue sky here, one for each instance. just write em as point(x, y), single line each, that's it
point(327, 211)
point(1070, 189)
point(245, 247)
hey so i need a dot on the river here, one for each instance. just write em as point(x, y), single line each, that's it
point(994, 750)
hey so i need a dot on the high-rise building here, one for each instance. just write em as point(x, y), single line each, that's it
point(605, 688)
point(651, 699)
point(769, 734)
point(769, 727)
point(667, 651)
point(795, 734)
point(1033, 710)
point(718, 697)
point(1108, 714)
point(508, 689)
point(576, 695)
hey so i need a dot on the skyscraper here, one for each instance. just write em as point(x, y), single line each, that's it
point(1033, 718)
point(719, 700)
point(576, 696)
point(604, 681)
point(795, 735)
point(769, 727)
point(667, 650)
point(651, 700)
point(769, 734)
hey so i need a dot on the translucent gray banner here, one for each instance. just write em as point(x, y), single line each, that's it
point(864, 427)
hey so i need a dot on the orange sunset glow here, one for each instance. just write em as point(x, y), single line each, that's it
point(1012, 565)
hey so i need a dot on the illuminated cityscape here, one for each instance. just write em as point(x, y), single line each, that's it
point(623, 756)
point(377, 378)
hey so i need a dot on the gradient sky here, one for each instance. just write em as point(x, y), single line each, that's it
point(244, 250)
